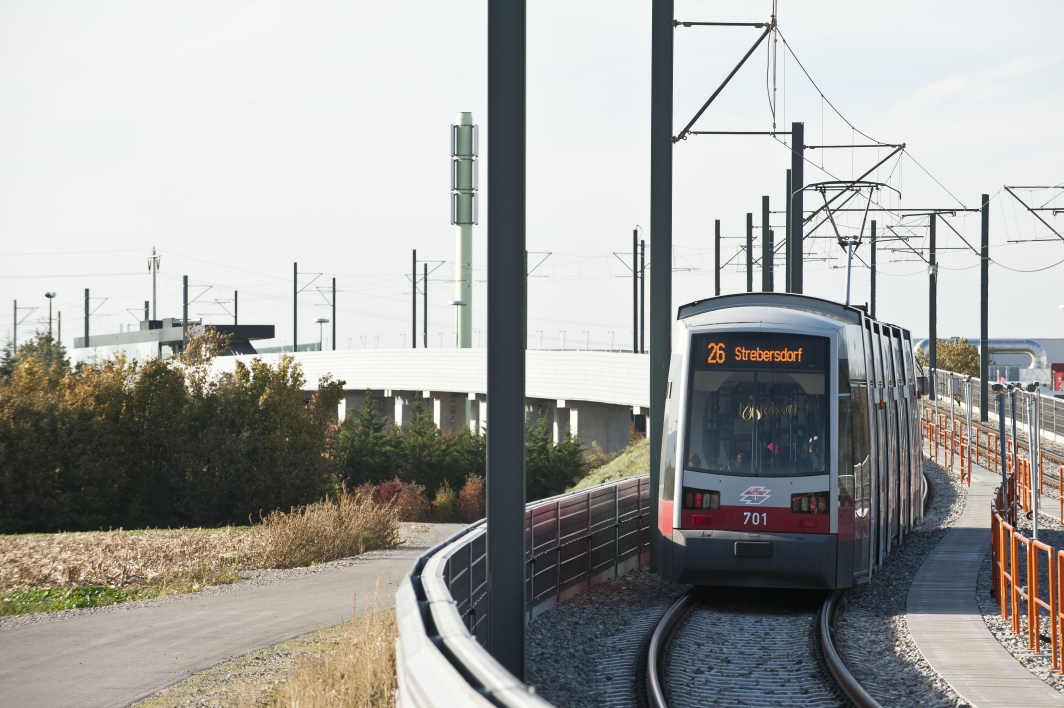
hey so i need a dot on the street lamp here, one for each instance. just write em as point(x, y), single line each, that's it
point(321, 321)
point(50, 297)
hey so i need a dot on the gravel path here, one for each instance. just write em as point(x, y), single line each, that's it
point(588, 651)
point(411, 535)
point(870, 629)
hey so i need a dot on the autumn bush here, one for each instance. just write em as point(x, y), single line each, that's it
point(470, 504)
point(160, 443)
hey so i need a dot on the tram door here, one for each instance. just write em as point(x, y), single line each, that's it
point(917, 489)
point(904, 432)
point(891, 416)
point(875, 393)
point(901, 428)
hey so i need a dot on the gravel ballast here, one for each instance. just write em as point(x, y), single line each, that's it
point(871, 633)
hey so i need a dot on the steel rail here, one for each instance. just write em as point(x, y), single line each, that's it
point(658, 640)
point(849, 685)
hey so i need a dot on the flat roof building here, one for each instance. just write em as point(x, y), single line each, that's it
point(162, 338)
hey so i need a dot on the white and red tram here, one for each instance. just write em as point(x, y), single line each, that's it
point(791, 447)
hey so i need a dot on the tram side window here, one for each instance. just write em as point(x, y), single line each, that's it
point(757, 405)
point(846, 470)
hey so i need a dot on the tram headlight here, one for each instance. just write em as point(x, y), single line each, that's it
point(809, 503)
point(701, 499)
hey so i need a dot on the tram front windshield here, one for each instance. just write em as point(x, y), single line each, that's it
point(757, 405)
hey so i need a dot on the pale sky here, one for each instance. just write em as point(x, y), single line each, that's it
point(238, 137)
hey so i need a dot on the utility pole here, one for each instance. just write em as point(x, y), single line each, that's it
point(661, 90)
point(716, 257)
point(932, 301)
point(184, 310)
point(413, 302)
point(425, 306)
point(59, 327)
point(749, 252)
point(295, 307)
point(334, 315)
point(797, 206)
point(153, 266)
point(984, 308)
point(787, 255)
point(86, 317)
point(766, 248)
point(642, 295)
point(147, 313)
point(873, 270)
point(14, 331)
point(236, 307)
point(635, 291)
point(507, 332)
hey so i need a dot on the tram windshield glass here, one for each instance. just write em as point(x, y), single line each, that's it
point(757, 405)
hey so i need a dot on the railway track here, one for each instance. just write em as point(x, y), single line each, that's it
point(737, 646)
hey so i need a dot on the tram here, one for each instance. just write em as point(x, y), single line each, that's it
point(791, 446)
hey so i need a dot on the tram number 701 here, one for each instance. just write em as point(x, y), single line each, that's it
point(754, 518)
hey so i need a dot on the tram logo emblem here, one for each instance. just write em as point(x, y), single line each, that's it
point(754, 495)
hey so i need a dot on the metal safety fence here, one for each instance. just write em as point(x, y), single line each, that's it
point(1051, 424)
point(572, 542)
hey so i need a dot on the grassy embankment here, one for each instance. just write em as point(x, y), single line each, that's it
point(631, 462)
point(49, 572)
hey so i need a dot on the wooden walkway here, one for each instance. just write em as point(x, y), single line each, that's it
point(944, 618)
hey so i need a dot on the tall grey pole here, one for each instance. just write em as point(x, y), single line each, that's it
point(661, 33)
point(1002, 441)
point(642, 296)
point(86, 317)
point(787, 243)
point(14, 330)
point(873, 270)
point(147, 314)
point(766, 248)
point(59, 327)
point(1032, 450)
point(154, 264)
point(932, 303)
point(236, 307)
point(506, 334)
point(413, 301)
point(795, 264)
point(749, 252)
point(716, 257)
point(295, 307)
point(984, 309)
point(184, 310)
point(334, 315)
point(425, 305)
point(635, 291)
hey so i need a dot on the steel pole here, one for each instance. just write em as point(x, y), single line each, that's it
point(425, 305)
point(236, 307)
point(334, 314)
point(872, 268)
point(506, 334)
point(1004, 455)
point(413, 301)
point(642, 296)
point(716, 257)
point(184, 311)
point(14, 330)
point(86, 317)
point(766, 248)
point(749, 252)
point(1032, 449)
point(661, 33)
point(932, 304)
point(295, 307)
point(984, 309)
point(635, 291)
point(797, 205)
point(787, 242)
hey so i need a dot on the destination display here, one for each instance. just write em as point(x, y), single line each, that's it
point(758, 349)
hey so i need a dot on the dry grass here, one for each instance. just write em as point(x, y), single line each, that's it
point(188, 559)
point(352, 664)
point(354, 670)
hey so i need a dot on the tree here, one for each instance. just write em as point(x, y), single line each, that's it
point(550, 469)
point(43, 347)
point(957, 355)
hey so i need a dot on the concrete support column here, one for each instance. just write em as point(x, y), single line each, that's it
point(561, 421)
point(441, 411)
point(403, 406)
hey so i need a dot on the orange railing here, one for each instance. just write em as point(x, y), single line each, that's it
point(1016, 562)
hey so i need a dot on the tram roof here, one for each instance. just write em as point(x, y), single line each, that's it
point(793, 301)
